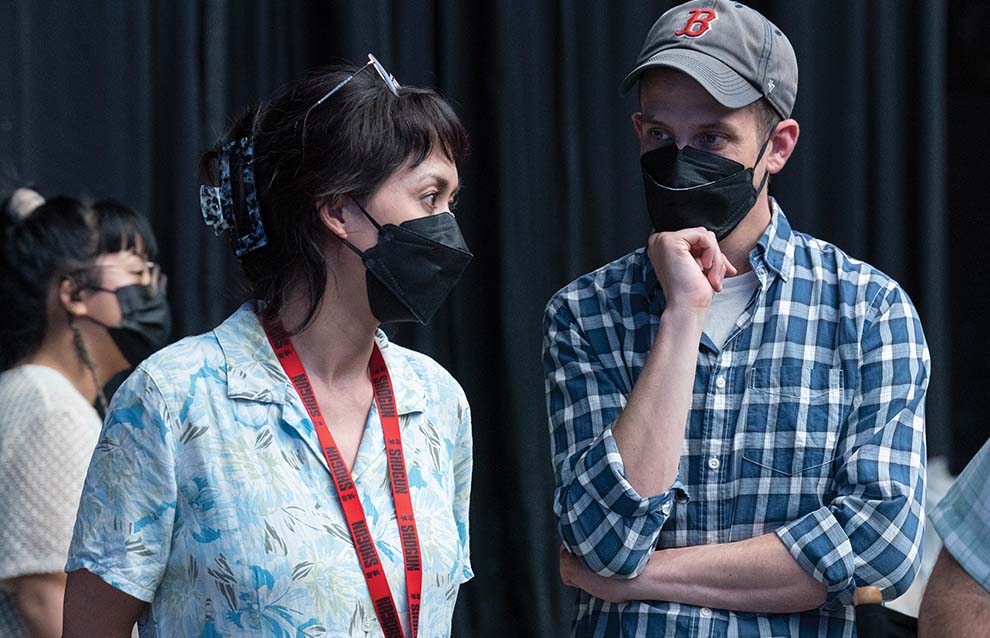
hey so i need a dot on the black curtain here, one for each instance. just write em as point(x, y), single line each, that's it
point(118, 98)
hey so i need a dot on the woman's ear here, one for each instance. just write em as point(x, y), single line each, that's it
point(70, 298)
point(333, 217)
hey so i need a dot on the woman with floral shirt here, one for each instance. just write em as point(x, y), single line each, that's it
point(292, 473)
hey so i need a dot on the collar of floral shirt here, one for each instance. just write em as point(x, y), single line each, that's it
point(254, 373)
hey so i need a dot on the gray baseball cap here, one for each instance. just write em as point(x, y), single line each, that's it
point(730, 49)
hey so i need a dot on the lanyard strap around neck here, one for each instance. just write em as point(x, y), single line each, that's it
point(374, 574)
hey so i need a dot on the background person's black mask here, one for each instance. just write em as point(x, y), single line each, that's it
point(145, 325)
point(687, 188)
point(413, 267)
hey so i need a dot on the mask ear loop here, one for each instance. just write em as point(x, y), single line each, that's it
point(766, 173)
point(373, 221)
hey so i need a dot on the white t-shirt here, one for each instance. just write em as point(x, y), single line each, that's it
point(47, 435)
point(728, 305)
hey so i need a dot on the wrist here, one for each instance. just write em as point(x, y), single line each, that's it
point(684, 316)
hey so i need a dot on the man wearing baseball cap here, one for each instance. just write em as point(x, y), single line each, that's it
point(737, 409)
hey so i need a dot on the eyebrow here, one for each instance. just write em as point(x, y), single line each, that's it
point(720, 124)
point(441, 181)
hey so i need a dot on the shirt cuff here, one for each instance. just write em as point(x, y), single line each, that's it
point(112, 578)
point(601, 474)
point(822, 548)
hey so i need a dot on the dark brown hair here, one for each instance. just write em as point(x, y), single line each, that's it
point(352, 142)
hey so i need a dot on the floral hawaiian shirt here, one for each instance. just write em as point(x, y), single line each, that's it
point(209, 497)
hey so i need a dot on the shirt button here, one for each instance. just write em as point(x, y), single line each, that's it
point(714, 463)
point(665, 508)
point(706, 612)
point(720, 383)
point(369, 624)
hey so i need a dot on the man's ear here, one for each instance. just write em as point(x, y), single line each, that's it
point(70, 297)
point(637, 122)
point(333, 217)
point(782, 144)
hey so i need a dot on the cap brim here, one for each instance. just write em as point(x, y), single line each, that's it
point(725, 85)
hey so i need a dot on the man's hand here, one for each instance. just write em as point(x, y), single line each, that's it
point(575, 574)
point(690, 266)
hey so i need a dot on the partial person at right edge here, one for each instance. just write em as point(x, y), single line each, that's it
point(957, 599)
point(736, 410)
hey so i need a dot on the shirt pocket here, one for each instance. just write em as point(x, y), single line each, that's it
point(792, 417)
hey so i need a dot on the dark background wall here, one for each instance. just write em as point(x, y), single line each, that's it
point(114, 98)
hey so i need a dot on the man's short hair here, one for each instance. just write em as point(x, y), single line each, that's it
point(766, 117)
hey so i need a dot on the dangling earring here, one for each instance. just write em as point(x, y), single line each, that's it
point(83, 354)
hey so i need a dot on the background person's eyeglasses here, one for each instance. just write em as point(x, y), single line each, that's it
point(151, 273)
point(386, 77)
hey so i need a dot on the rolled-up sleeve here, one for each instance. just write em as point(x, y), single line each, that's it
point(602, 519)
point(123, 530)
point(870, 533)
point(962, 518)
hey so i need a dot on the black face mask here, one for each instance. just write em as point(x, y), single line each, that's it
point(687, 188)
point(145, 324)
point(413, 267)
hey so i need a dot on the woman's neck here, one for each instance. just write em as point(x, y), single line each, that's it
point(336, 346)
point(58, 353)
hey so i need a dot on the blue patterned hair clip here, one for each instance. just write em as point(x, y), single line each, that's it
point(211, 205)
point(217, 202)
point(255, 237)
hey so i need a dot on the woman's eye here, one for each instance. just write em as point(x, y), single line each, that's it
point(431, 199)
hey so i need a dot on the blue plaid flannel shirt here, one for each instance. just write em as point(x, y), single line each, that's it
point(808, 423)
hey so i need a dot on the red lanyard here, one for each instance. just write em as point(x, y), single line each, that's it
point(378, 587)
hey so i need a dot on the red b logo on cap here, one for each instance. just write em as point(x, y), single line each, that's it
point(698, 24)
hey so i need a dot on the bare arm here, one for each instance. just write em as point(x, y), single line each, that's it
point(954, 606)
point(755, 575)
point(94, 609)
point(39, 602)
point(650, 431)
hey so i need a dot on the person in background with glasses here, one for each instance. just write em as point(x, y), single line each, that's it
point(293, 472)
point(80, 305)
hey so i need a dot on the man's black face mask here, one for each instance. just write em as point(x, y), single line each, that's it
point(687, 188)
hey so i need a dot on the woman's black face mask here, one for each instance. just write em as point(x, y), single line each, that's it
point(687, 188)
point(413, 267)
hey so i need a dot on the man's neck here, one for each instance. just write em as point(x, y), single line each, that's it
point(743, 239)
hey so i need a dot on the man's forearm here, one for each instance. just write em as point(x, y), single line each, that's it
point(756, 575)
point(650, 431)
point(955, 606)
